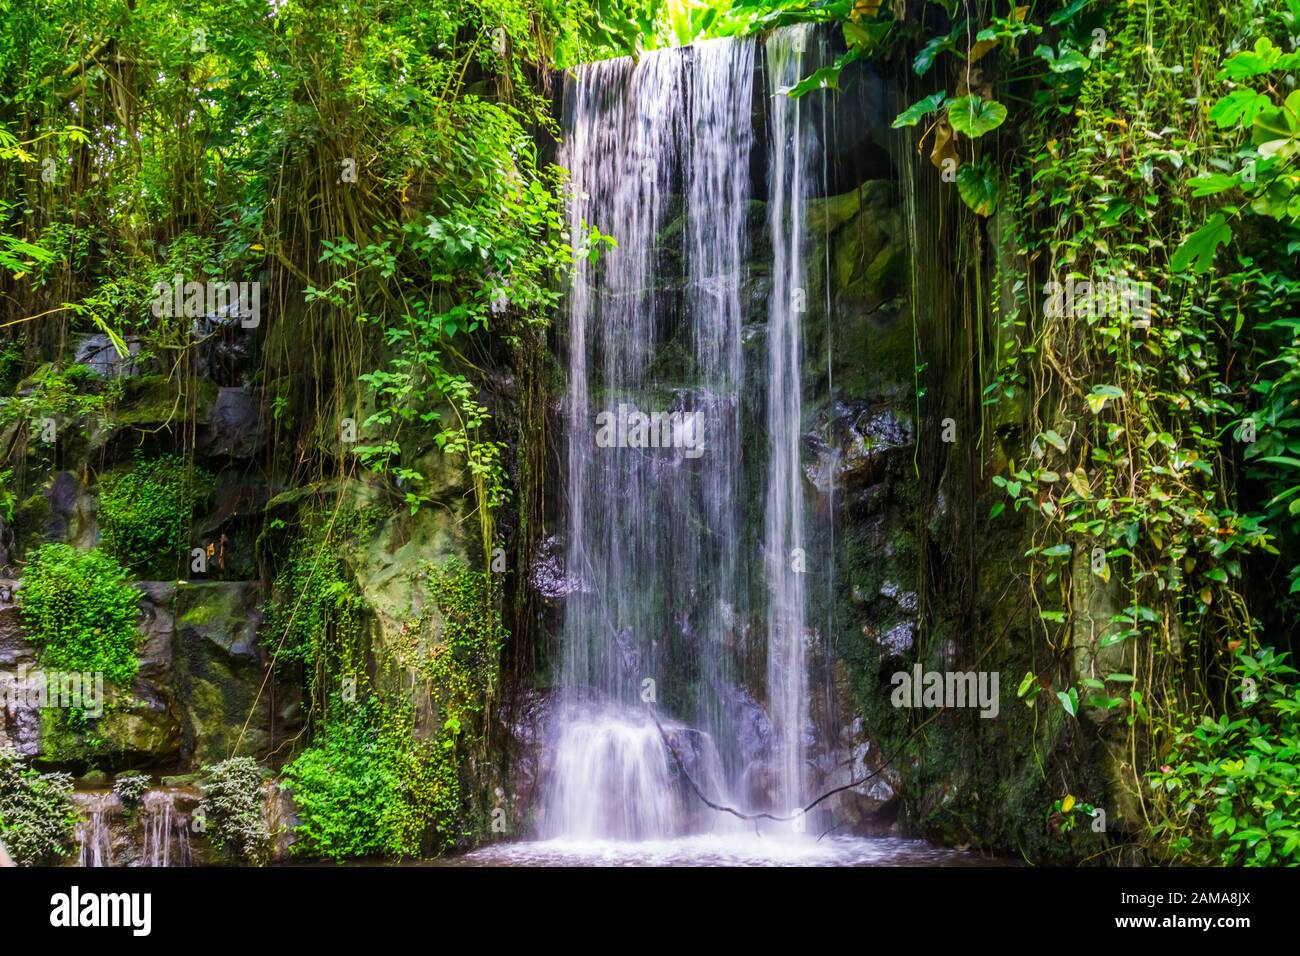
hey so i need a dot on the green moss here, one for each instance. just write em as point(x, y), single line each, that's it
point(145, 513)
point(198, 615)
point(316, 616)
point(31, 516)
point(462, 664)
point(367, 787)
point(79, 607)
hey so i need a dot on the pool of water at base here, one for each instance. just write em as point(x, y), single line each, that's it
point(729, 850)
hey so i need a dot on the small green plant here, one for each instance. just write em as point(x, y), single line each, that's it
point(130, 787)
point(37, 819)
point(232, 809)
point(80, 608)
point(369, 788)
point(145, 513)
point(1234, 782)
point(1067, 812)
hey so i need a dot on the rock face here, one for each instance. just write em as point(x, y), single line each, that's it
point(226, 704)
point(234, 426)
point(19, 726)
point(99, 354)
point(201, 693)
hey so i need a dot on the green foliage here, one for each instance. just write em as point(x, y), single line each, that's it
point(232, 810)
point(130, 787)
point(1234, 781)
point(145, 513)
point(316, 618)
point(972, 116)
point(462, 663)
point(1131, 477)
point(63, 395)
point(80, 608)
point(367, 787)
point(1252, 173)
point(37, 819)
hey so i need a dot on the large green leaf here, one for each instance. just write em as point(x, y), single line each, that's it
point(919, 110)
point(925, 59)
point(866, 35)
point(1239, 108)
point(972, 116)
point(1198, 249)
point(1264, 58)
point(827, 78)
point(1276, 131)
point(977, 184)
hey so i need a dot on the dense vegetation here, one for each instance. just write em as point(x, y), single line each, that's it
point(81, 611)
point(1124, 223)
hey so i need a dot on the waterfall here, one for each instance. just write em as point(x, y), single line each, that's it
point(94, 834)
point(792, 144)
point(653, 533)
point(153, 831)
point(166, 832)
point(657, 536)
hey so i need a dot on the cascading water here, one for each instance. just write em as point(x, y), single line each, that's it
point(660, 156)
point(93, 833)
point(165, 831)
point(154, 832)
point(792, 145)
point(653, 532)
point(685, 566)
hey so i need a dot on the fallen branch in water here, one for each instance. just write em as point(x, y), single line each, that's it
point(722, 808)
point(620, 640)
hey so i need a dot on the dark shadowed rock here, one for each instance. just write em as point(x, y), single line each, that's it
point(234, 427)
point(98, 353)
point(549, 577)
point(851, 448)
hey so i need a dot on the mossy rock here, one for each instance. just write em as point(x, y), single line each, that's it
point(219, 673)
point(134, 731)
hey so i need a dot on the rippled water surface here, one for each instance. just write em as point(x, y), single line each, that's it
point(729, 850)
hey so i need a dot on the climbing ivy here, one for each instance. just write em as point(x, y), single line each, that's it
point(316, 618)
point(461, 663)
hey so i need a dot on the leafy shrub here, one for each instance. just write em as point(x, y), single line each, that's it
point(369, 788)
point(145, 513)
point(37, 820)
point(70, 393)
point(232, 810)
point(130, 787)
point(1235, 783)
point(79, 607)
